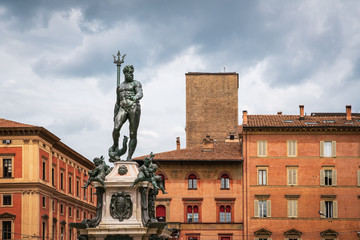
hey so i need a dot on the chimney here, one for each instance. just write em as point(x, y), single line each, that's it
point(348, 112)
point(208, 144)
point(302, 116)
point(245, 120)
point(279, 113)
point(178, 143)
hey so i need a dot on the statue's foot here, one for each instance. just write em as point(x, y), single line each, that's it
point(128, 158)
point(164, 192)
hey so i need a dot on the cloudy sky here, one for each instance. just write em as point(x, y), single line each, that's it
point(57, 71)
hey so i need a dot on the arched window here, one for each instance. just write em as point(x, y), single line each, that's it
point(192, 213)
point(192, 182)
point(225, 213)
point(161, 213)
point(163, 180)
point(225, 181)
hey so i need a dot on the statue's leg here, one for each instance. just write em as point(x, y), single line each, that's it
point(134, 119)
point(119, 120)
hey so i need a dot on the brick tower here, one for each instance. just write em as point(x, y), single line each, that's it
point(211, 106)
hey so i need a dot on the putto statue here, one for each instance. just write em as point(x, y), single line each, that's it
point(147, 173)
point(99, 173)
point(127, 107)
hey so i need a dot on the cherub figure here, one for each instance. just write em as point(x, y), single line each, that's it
point(99, 173)
point(147, 173)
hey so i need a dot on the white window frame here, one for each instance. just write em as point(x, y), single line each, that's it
point(259, 208)
point(262, 176)
point(292, 207)
point(328, 148)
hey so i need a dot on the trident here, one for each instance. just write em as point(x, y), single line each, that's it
point(118, 63)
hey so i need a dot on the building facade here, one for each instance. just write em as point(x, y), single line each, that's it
point(302, 175)
point(204, 185)
point(40, 184)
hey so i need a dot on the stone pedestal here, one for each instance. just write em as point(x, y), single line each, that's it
point(118, 220)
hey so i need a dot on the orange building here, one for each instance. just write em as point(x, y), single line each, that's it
point(204, 185)
point(40, 184)
point(302, 176)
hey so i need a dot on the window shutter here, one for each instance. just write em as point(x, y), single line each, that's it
point(358, 178)
point(321, 148)
point(290, 208)
point(322, 178)
point(268, 206)
point(334, 176)
point(256, 208)
point(258, 148)
point(289, 148)
point(322, 209)
point(294, 176)
point(335, 209)
point(288, 176)
point(333, 148)
point(265, 148)
point(296, 209)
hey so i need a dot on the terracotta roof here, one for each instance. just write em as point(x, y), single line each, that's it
point(11, 124)
point(222, 151)
point(312, 121)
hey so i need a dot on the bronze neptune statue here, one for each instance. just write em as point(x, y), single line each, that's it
point(127, 108)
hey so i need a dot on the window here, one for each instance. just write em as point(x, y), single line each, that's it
point(70, 233)
point(292, 175)
point(44, 202)
point(53, 230)
point(193, 213)
point(262, 176)
point(44, 170)
point(193, 237)
point(225, 181)
point(161, 213)
point(70, 183)
point(62, 233)
point(70, 211)
point(261, 148)
point(225, 236)
point(328, 209)
point(6, 230)
point(62, 180)
point(192, 182)
point(77, 187)
point(77, 213)
point(43, 230)
point(84, 215)
point(163, 180)
point(262, 208)
point(292, 148)
point(7, 200)
point(328, 149)
point(225, 213)
point(328, 177)
point(53, 176)
point(91, 194)
point(53, 205)
point(7, 168)
point(292, 208)
point(62, 208)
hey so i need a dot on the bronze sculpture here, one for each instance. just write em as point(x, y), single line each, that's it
point(147, 173)
point(127, 107)
point(99, 173)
